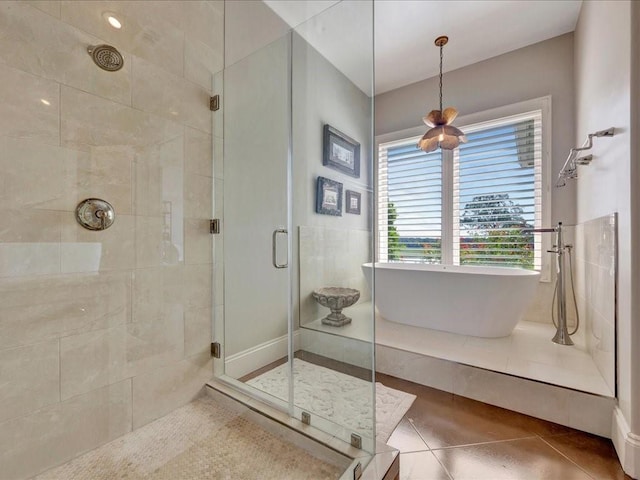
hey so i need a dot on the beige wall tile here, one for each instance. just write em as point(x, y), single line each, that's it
point(157, 289)
point(37, 258)
point(91, 360)
point(198, 241)
point(198, 191)
point(198, 152)
point(150, 246)
point(201, 62)
point(42, 45)
point(171, 96)
point(30, 226)
point(146, 29)
point(30, 378)
point(95, 359)
point(84, 250)
point(157, 393)
point(59, 432)
point(36, 309)
point(22, 112)
point(52, 7)
point(204, 21)
point(88, 121)
point(330, 257)
point(106, 172)
point(197, 331)
point(151, 344)
point(159, 179)
point(38, 176)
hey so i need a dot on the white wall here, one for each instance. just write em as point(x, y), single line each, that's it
point(603, 59)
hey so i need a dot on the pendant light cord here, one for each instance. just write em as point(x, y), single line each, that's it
point(441, 46)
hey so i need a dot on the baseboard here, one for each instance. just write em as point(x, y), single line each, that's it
point(627, 444)
point(247, 361)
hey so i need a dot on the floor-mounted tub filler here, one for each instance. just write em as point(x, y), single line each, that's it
point(468, 300)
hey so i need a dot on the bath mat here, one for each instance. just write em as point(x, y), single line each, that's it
point(343, 399)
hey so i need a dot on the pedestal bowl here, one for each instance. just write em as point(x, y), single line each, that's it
point(336, 298)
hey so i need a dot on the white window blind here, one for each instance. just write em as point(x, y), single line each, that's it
point(493, 182)
point(497, 193)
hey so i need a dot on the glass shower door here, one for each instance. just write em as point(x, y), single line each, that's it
point(256, 220)
point(332, 165)
point(279, 243)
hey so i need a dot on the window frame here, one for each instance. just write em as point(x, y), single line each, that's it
point(471, 121)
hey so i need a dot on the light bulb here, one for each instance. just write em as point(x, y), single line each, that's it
point(112, 20)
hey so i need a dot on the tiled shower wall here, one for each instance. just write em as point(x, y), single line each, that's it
point(102, 332)
point(595, 281)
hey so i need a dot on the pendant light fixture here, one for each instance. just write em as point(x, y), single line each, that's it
point(442, 134)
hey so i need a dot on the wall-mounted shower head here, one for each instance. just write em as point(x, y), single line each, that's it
point(570, 167)
point(106, 57)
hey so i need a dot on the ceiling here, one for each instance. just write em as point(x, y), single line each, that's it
point(406, 29)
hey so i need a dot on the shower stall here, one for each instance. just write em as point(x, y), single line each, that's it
point(108, 311)
point(282, 88)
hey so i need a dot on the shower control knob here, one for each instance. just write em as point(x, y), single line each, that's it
point(95, 214)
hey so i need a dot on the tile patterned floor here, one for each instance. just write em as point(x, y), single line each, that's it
point(202, 440)
point(444, 436)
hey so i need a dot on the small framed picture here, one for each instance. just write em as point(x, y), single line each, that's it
point(352, 202)
point(340, 152)
point(328, 197)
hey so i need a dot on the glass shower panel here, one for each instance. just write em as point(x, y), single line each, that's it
point(255, 219)
point(332, 123)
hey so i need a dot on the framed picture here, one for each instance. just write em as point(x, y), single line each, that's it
point(328, 197)
point(352, 202)
point(340, 152)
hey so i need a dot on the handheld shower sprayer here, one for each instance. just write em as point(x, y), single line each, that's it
point(562, 336)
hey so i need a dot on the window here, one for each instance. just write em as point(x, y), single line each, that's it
point(470, 206)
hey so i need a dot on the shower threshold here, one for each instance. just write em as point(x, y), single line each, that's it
point(384, 465)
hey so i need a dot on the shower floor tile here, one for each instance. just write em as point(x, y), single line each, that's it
point(202, 440)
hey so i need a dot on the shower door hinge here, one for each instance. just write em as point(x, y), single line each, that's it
point(215, 350)
point(214, 226)
point(356, 440)
point(214, 103)
point(306, 418)
point(357, 471)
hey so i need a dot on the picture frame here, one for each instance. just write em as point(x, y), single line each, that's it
point(353, 202)
point(328, 197)
point(340, 152)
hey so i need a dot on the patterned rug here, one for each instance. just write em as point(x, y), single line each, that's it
point(337, 397)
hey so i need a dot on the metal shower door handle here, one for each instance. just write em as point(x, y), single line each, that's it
point(274, 243)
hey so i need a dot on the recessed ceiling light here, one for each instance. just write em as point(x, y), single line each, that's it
point(45, 101)
point(112, 20)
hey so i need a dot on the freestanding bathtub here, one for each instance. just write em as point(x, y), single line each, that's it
point(469, 300)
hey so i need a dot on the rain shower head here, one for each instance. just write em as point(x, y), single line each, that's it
point(106, 57)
